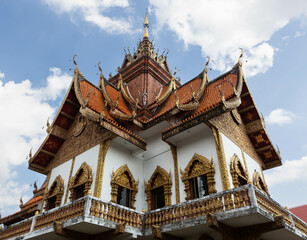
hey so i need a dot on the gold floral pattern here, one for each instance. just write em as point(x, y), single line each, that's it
point(82, 176)
point(259, 183)
point(159, 178)
point(123, 177)
point(238, 172)
point(198, 165)
point(56, 190)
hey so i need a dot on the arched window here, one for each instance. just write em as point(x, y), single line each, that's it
point(259, 183)
point(158, 189)
point(54, 195)
point(198, 177)
point(238, 172)
point(80, 184)
point(124, 187)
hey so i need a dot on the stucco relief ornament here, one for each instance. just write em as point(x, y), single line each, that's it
point(145, 99)
point(81, 123)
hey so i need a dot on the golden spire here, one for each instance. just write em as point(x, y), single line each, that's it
point(146, 26)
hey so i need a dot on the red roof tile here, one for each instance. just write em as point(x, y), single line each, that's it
point(300, 212)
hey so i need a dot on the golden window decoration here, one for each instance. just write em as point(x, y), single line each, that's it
point(123, 182)
point(80, 184)
point(238, 172)
point(54, 194)
point(259, 183)
point(198, 167)
point(158, 189)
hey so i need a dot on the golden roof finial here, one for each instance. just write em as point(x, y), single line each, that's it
point(207, 64)
point(146, 26)
point(241, 55)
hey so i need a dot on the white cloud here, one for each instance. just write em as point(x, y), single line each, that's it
point(299, 34)
point(2, 75)
point(25, 110)
point(221, 27)
point(260, 59)
point(285, 38)
point(288, 172)
point(93, 11)
point(280, 116)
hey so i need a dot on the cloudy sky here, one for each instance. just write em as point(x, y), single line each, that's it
point(39, 38)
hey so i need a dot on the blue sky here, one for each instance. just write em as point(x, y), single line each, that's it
point(39, 38)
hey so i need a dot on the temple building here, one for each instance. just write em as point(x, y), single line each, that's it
point(142, 156)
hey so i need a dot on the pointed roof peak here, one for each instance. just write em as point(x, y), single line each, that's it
point(146, 26)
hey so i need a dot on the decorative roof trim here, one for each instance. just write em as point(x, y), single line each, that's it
point(114, 127)
point(236, 101)
point(102, 84)
point(167, 93)
point(128, 97)
point(192, 105)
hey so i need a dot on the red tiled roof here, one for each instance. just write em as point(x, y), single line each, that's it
point(32, 202)
point(210, 99)
point(300, 212)
point(96, 99)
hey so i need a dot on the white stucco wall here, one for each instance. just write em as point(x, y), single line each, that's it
point(90, 156)
point(160, 155)
point(62, 170)
point(201, 141)
point(142, 164)
point(116, 157)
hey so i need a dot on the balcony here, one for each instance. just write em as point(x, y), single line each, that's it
point(244, 207)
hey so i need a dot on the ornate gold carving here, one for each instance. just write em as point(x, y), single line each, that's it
point(69, 179)
point(123, 177)
point(221, 158)
point(103, 148)
point(92, 135)
point(259, 183)
point(160, 178)
point(238, 171)
point(198, 165)
point(82, 176)
point(236, 133)
point(56, 190)
point(175, 158)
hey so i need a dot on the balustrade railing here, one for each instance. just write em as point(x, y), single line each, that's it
point(220, 202)
point(70, 211)
point(116, 213)
point(275, 208)
point(16, 230)
point(246, 196)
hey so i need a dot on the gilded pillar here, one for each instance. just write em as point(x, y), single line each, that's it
point(103, 148)
point(245, 165)
point(221, 158)
point(70, 174)
point(46, 190)
point(175, 158)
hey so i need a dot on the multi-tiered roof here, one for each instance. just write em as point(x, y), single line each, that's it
point(144, 93)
